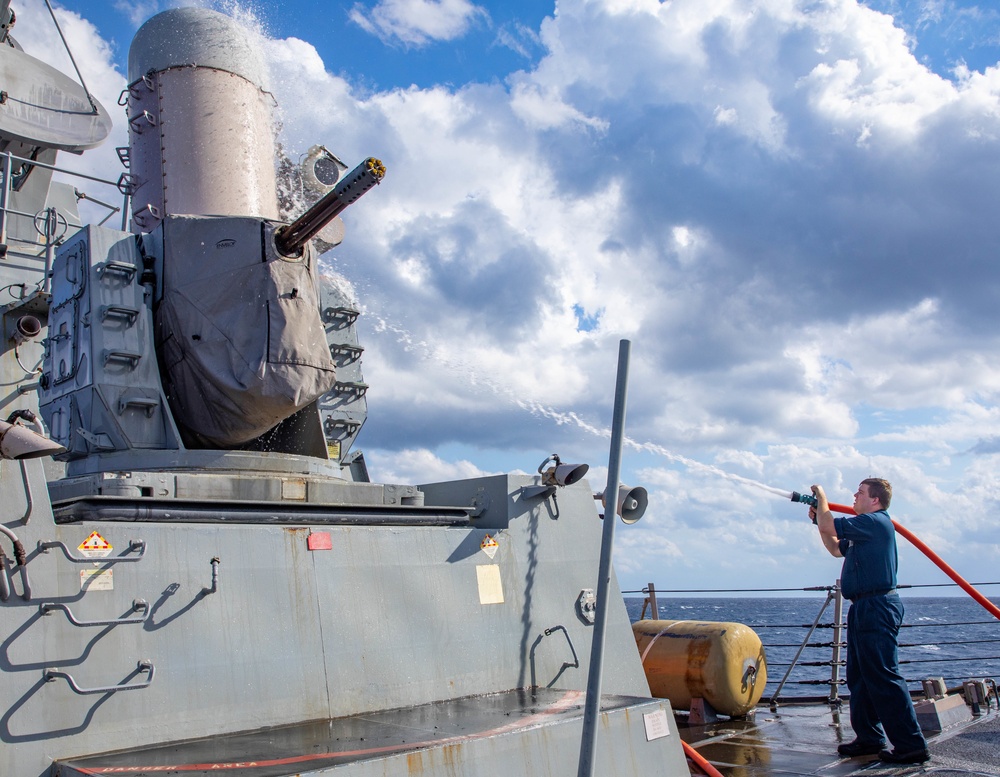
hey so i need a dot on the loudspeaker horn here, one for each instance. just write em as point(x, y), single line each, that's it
point(632, 503)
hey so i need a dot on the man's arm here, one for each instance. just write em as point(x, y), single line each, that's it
point(824, 521)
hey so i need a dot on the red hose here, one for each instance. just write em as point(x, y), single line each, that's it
point(700, 761)
point(919, 545)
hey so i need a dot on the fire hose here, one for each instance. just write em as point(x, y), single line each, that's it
point(919, 545)
point(700, 761)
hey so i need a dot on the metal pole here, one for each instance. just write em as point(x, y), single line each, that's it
point(838, 637)
point(654, 609)
point(4, 195)
point(51, 224)
point(777, 691)
point(588, 743)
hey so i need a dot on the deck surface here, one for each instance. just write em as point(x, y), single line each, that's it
point(802, 740)
point(319, 746)
point(794, 741)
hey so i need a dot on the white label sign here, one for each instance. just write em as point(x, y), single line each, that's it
point(656, 725)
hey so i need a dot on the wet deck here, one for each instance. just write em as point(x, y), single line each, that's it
point(529, 731)
point(802, 740)
point(795, 740)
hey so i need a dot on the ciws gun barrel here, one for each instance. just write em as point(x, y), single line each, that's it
point(290, 239)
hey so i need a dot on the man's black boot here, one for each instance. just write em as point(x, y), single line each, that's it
point(913, 757)
point(856, 748)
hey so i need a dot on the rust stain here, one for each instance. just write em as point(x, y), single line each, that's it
point(694, 676)
point(452, 755)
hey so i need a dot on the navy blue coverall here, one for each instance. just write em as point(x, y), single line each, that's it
point(878, 692)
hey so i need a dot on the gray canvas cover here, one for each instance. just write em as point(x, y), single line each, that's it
point(241, 340)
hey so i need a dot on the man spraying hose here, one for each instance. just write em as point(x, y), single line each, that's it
point(880, 701)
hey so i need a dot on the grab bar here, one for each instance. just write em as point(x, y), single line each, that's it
point(46, 608)
point(139, 545)
point(143, 665)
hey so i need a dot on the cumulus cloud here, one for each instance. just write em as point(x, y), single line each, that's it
point(782, 206)
point(418, 22)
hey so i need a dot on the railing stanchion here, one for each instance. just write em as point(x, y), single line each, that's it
point(777, 692)
point(838, 639)
point(653, 606)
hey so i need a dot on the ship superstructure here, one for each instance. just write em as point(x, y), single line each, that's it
point(198, 576)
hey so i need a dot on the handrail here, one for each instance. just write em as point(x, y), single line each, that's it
point(46, 608)
point(7, 161)
point(57, 169)
point(143, 665)
point(827, 651)
point(139, 545)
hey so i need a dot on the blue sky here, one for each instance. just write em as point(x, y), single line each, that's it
point(787, 207)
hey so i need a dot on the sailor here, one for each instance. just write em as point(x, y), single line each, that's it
point(880, 701)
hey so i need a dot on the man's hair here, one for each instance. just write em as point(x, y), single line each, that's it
point(879, 489)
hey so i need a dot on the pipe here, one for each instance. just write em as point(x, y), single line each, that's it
point(215, 577)
point(700, 761)
point(4, 577)
point(21, 557)
point(919, 545)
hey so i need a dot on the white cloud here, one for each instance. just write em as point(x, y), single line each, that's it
point(788, 214)
point(418, 22)
point(419, 466)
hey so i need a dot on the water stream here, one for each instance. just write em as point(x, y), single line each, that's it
point(429, 351)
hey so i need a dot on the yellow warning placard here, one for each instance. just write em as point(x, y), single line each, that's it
point(95, 546)
point(489, 546)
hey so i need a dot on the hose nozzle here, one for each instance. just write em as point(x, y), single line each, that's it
point(806, 499)
point(809, 499)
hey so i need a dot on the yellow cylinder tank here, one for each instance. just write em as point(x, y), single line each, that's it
point(722, 663)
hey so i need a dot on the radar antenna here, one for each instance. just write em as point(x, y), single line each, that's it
point(41, 106)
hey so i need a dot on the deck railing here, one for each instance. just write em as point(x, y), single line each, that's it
point(52, 225)
point(812, 654)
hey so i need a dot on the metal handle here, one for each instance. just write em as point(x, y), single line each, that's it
point(133, 545)
point(131, 358)
point(121, 268)
point(147, 404)
point(143, 665)
point(119, 311)
point(137, 605)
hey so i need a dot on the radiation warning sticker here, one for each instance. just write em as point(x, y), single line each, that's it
point(95, 546)
point(489, 546)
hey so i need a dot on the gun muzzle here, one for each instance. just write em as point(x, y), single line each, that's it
point(290, 239)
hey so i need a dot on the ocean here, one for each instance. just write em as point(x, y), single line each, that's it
point(954, 638)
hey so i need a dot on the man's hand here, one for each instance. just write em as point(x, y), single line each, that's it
point(823, 518)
